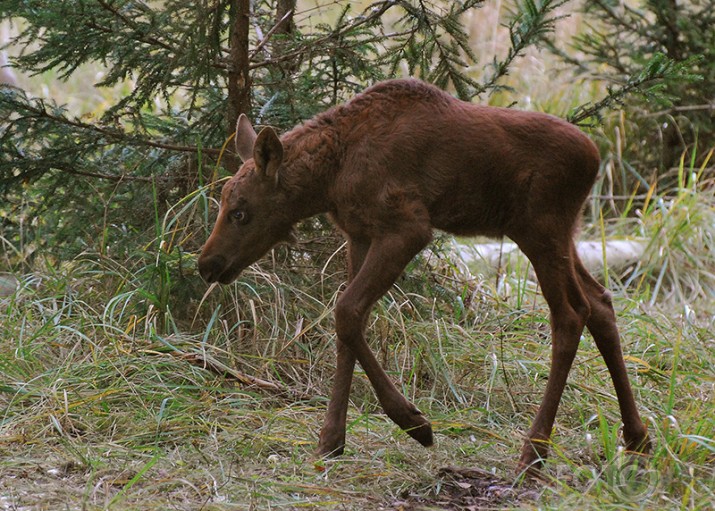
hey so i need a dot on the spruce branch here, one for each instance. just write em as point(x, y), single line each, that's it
point(648, 83)
point(36, 110)
point(530, 24)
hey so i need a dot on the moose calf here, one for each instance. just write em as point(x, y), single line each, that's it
point(389, 166)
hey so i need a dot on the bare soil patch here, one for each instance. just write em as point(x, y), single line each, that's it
point(468, 490)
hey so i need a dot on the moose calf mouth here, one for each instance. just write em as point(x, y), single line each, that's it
point(215, 269)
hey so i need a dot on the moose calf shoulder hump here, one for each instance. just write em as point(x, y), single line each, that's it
point(389, 166)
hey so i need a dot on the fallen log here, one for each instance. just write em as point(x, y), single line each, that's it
point(617, 254)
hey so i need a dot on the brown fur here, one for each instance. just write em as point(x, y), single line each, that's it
point(391, 165)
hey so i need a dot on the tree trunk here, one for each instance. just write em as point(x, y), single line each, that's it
point(283, 7)
point(239, 79)
point(285, 28)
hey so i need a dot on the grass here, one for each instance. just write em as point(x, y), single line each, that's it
point(115, 397)
point(125, 384)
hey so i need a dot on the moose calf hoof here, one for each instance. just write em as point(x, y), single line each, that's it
point(327, 452)
point(532, 459)
point(640, 444)
point(331, 447)
point(411, 421)
point(530, 471)
point(422, 433)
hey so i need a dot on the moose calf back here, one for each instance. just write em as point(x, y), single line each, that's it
point(476, 169)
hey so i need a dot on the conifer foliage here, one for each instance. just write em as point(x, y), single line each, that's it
point(191, 67)
point(665, 50)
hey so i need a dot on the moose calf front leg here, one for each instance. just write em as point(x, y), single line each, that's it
point(332, 436)
point(384, 262)
point(396, 406)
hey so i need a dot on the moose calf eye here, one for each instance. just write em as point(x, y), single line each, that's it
point(240, 216)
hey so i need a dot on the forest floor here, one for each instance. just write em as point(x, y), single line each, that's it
point(109, 404)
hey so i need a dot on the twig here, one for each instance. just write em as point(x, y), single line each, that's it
point(684, 108)
point(376, 9)
point(270, 33)
point(116, 135)
point(109, 177)
point(207, 362)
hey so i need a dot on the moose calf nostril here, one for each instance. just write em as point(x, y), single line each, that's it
point(211, 267)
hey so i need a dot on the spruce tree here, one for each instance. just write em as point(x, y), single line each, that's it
point(193, 67)
point(664, 51)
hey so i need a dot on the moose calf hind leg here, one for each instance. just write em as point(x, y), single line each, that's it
point(603, 328)
point(570, 310)
point(566, 333)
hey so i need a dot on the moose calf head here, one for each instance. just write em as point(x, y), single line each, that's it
point(254, 214)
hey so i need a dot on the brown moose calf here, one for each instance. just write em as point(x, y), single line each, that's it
point(397, 161)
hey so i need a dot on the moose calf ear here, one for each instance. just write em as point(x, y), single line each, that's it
point(268, 153)
point(245, 138)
